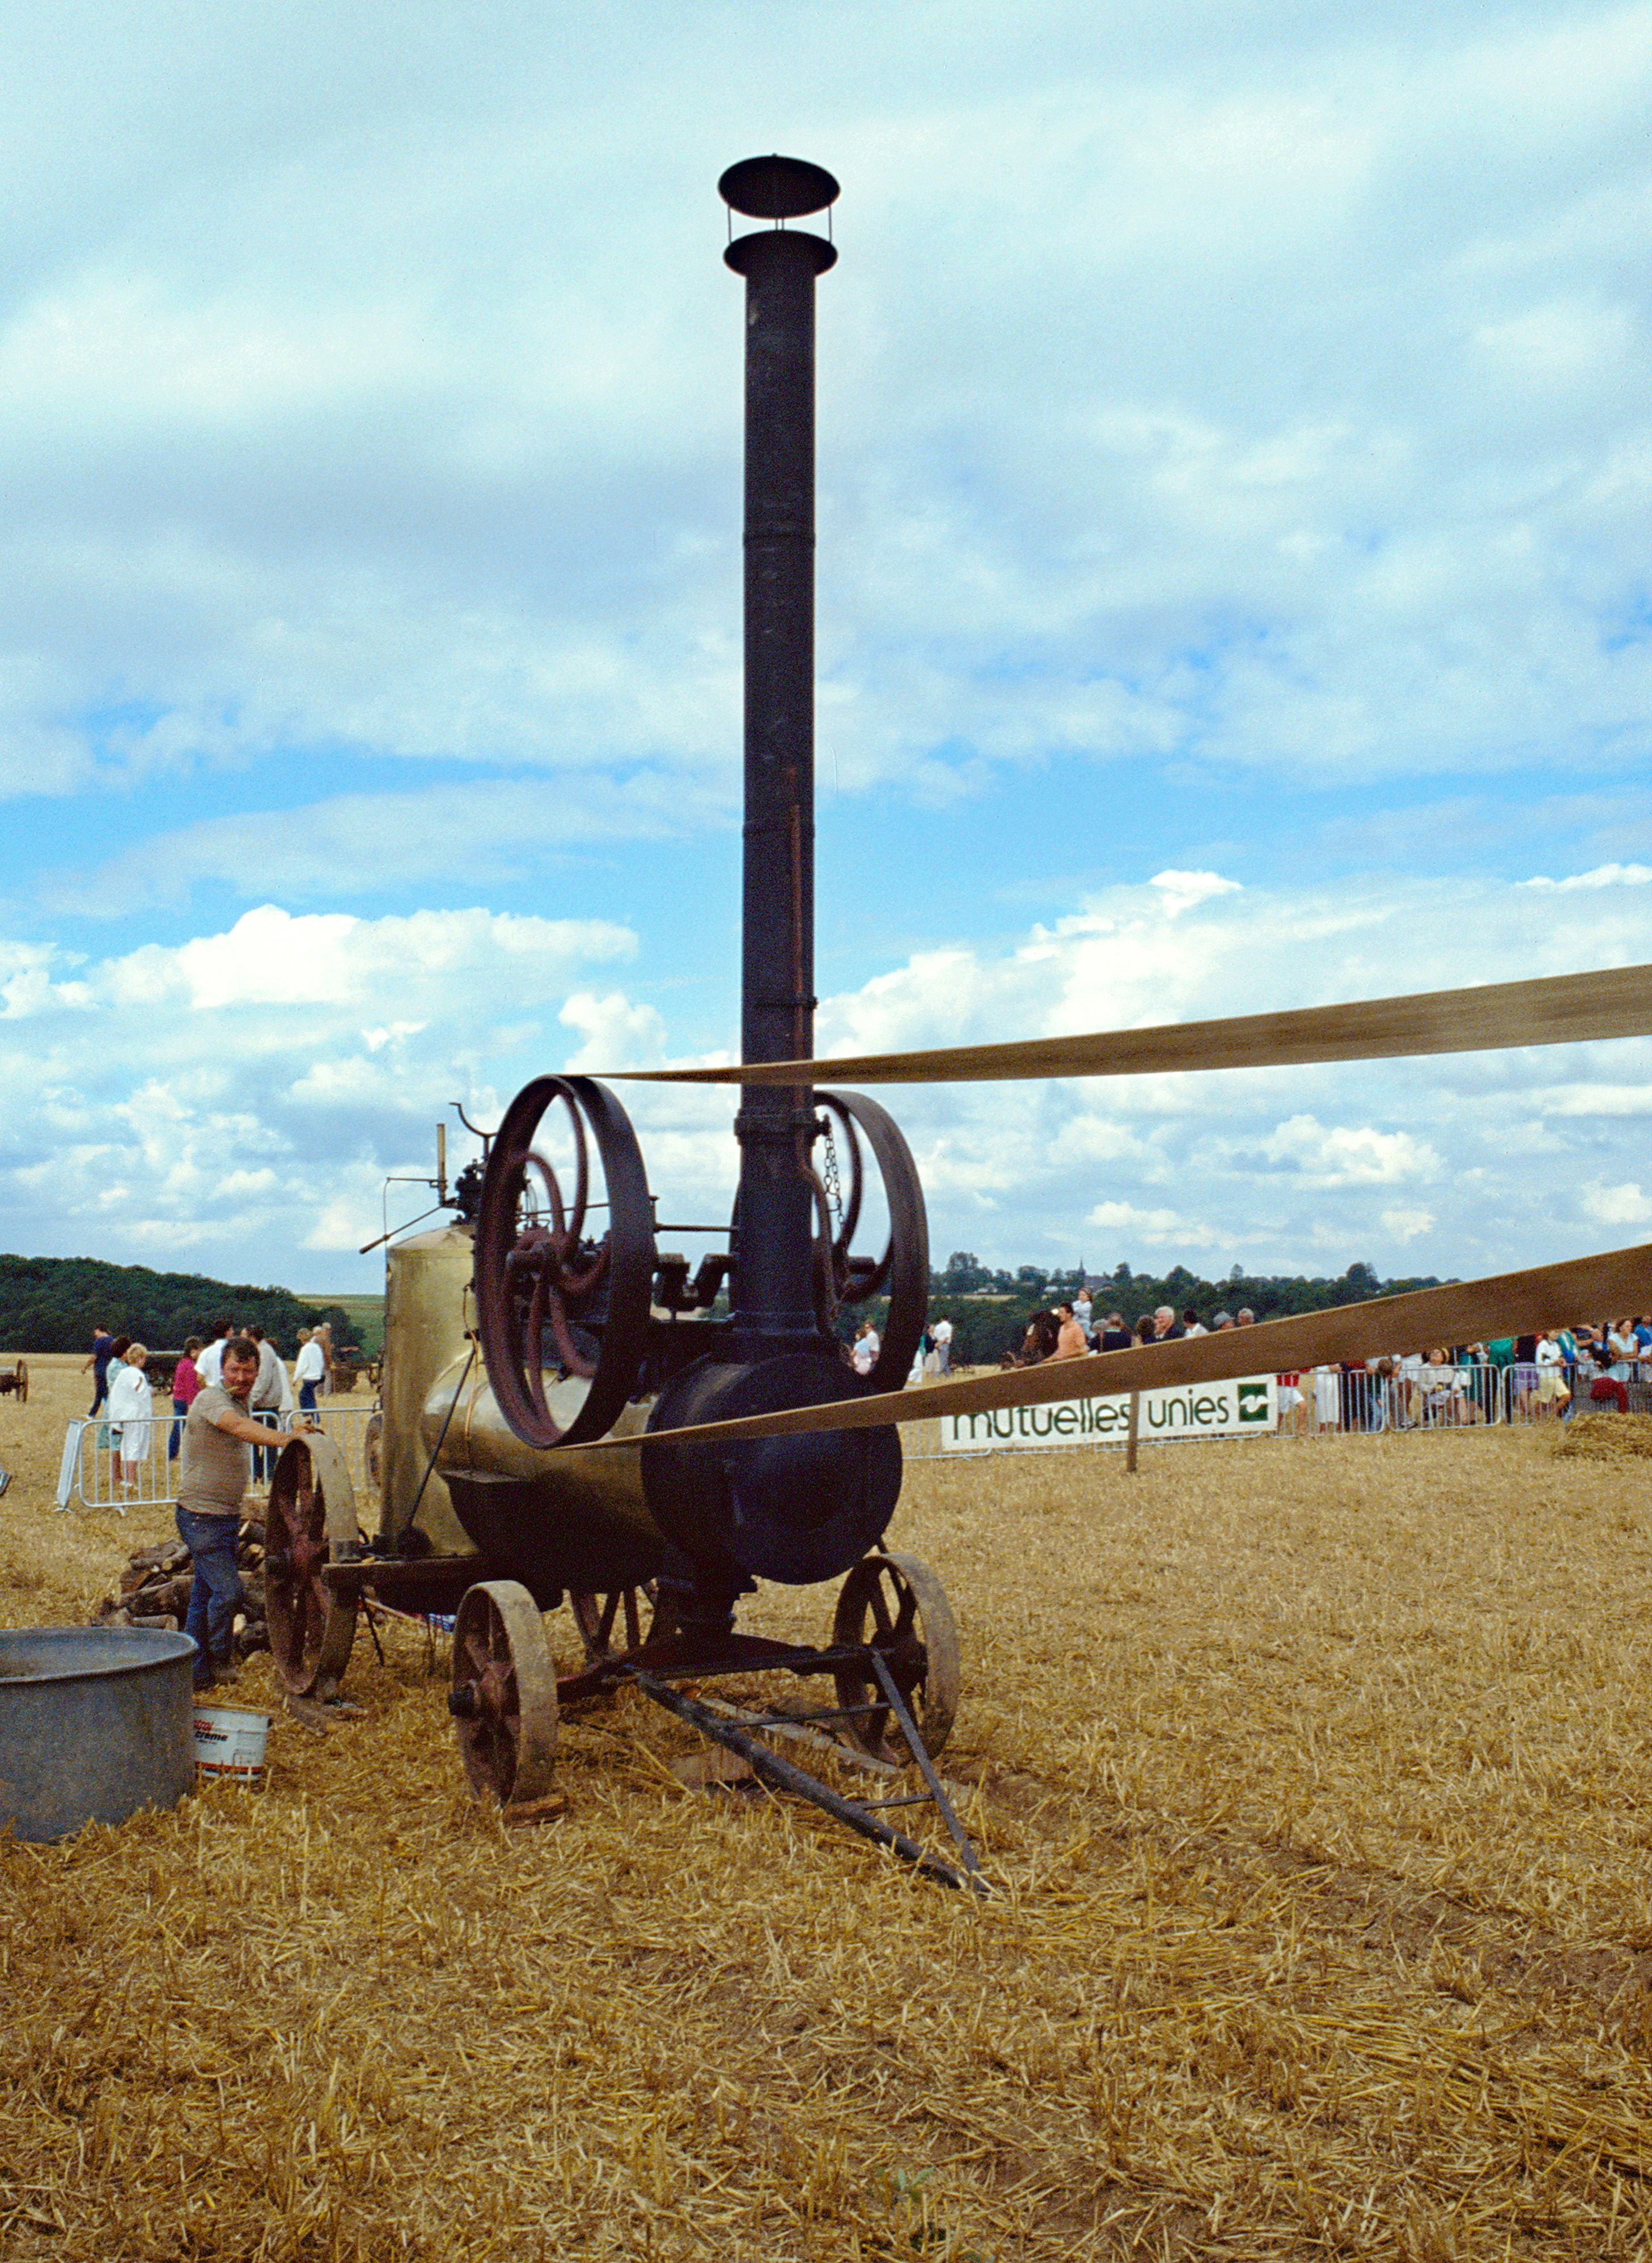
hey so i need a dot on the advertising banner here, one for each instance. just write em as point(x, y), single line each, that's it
point(1247, 1408)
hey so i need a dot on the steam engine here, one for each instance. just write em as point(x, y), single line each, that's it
point(550, 1318)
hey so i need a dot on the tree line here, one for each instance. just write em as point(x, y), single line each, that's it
point(52, 1304)
point(989, 1309)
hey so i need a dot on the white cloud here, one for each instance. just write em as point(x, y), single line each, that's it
point(314, 961)
point(491, 830)
point(250, 1089)
point(1342, 1155)
point(1624, 1204)
point(1299, 1167)
point(1407, 1225)
point(247, 1092)
point(614, 1033)
point(1282, 416)
point(371, 442)
point(1594, 1099)
point(1158, 1229)
point(1182, 889)
point(1604, 876)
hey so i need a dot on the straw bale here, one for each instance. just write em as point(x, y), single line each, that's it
point(1313, 1781)
point(1609, 1437)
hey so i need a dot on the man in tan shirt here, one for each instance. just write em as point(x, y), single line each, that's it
point(219, 1437)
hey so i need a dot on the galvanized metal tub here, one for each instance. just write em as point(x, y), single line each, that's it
point(95, 1722)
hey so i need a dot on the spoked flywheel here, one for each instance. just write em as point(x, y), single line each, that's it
point(564, 1261)
point(843, 1275)
point(895, 1605)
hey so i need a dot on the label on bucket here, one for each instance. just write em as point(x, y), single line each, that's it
point(229, 1740)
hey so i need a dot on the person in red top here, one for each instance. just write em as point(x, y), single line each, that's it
point(186, 1385)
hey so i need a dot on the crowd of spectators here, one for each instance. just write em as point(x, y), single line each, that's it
point(1067, 1331)
point(125, 1392)
point(1542, 1378)
point(1545, 1376)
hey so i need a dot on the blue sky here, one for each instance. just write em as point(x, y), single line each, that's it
point(1233, 518)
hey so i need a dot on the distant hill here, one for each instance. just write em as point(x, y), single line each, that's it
point(365, 1315)
point(52, 1304)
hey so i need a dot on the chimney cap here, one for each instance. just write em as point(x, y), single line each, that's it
point(777, 187)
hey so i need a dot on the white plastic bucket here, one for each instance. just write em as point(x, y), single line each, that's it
point(230, 1743)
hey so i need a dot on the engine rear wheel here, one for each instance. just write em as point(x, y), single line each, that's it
point(312, 1511)
point(503, 1694)
point(895, 1605)
point(611, 1626)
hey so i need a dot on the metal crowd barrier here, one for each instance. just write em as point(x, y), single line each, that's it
point(1329, 1404)
point(1470, 1395)
point(89, 1476)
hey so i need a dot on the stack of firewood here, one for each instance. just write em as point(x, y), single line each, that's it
point(154, 1589)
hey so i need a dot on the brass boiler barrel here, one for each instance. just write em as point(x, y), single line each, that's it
point(553, 1521)
point(427, 1320)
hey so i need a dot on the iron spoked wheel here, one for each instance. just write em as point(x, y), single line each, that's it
point(896, 1605)
point(612, 1625)
point(841, 1276)
point(549, 1291)
point(312, 1507)
point(504, 1695)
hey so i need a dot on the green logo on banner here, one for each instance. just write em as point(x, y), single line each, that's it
point(1253, 1402)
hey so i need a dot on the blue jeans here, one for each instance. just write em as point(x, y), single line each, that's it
point(307, 1398)
point(180, 1411)
point(214, 1594)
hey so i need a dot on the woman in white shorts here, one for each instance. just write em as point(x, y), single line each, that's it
point(1553, 1397)
point(131, 1413)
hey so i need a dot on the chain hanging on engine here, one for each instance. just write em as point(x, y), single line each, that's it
point(829, 1186)
point(829, 1172)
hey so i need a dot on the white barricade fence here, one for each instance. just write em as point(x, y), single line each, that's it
point(1319, 1402)
point(1245, 1408)
point(90, 1475)
point(1460, 1395)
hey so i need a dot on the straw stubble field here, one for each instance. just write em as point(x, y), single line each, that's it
point(1314, 1781)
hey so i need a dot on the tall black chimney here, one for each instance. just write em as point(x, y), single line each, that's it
point(773, 1245)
